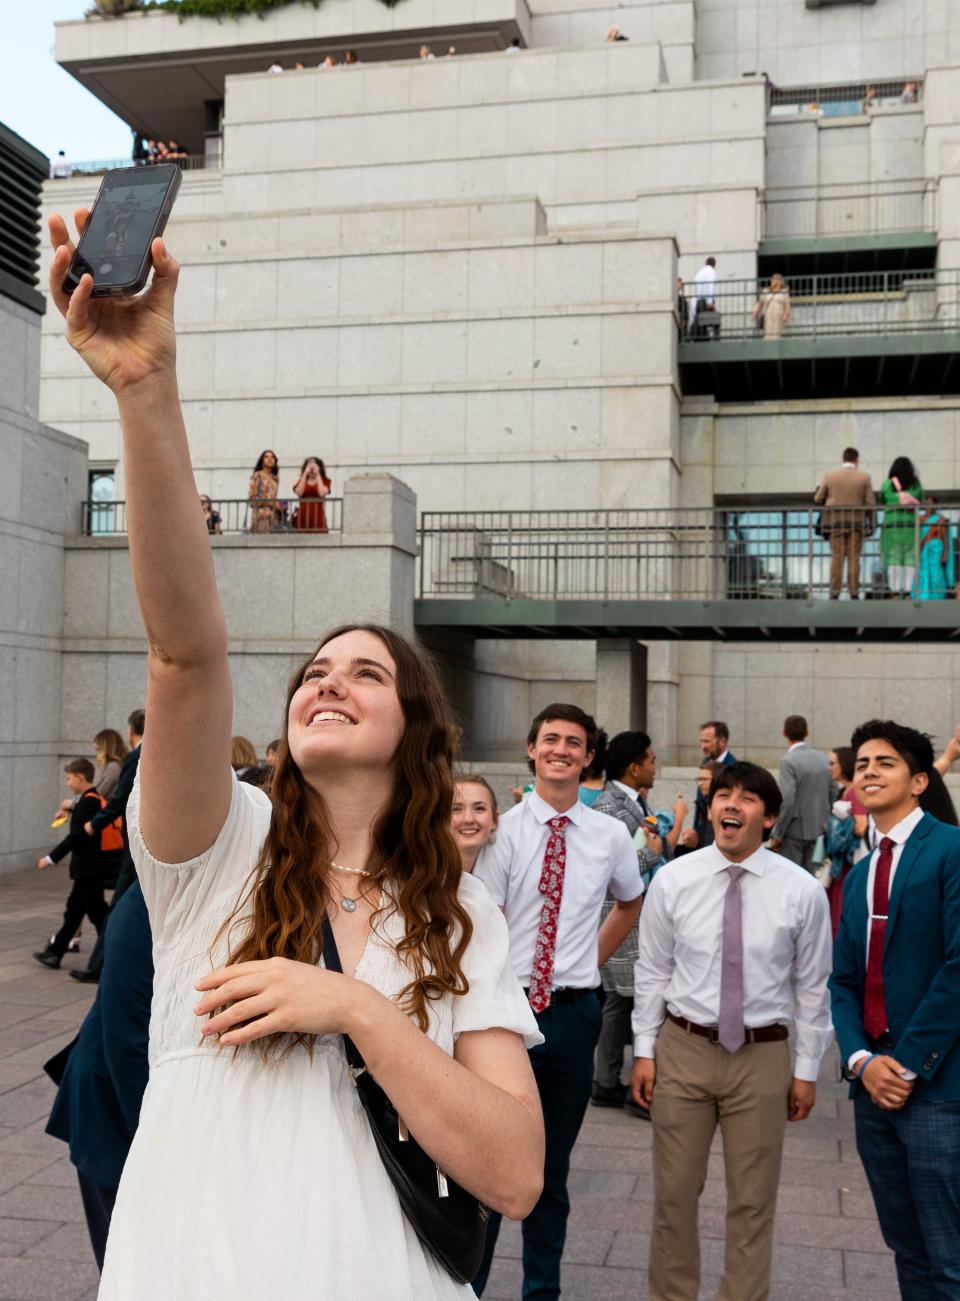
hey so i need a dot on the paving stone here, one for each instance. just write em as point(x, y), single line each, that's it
point(30, 1279)
point(869, 1269)
point(12, 1076)
point(62, 1173)
point(42, 1202)
point(27, 1103)
point(17, 1168)
point(17, 1235)
point(68, 1242)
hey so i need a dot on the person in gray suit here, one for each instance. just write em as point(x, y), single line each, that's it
point(805, 784)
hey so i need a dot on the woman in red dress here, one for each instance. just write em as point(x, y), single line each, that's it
point(312, 486)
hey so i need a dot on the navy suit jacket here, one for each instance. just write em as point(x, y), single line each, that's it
point(97, 1107)
point(921, 960)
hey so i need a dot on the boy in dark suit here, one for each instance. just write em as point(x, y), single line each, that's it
point(896, 994)
point(90, 866)
point(103, 1073)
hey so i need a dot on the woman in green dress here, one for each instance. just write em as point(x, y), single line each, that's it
point(900, 496)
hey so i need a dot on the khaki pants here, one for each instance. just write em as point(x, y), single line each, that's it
point(700, 1084)
point(845, 543)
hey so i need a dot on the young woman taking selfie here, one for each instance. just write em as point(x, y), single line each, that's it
point(255, 1172)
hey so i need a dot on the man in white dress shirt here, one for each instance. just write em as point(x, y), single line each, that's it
point(734, 947)
point(705, 316)
point(550, 868)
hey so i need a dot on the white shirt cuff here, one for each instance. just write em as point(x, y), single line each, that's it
point(807, 1068)
point(645, 1046)
point(858, 1056)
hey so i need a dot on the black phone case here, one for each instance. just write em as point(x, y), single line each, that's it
point(128, 288)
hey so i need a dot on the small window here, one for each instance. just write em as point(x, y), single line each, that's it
point(101, 502)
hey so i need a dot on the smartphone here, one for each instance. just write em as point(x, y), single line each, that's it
point(129, 212)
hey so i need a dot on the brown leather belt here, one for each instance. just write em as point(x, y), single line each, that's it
point(759, 1034)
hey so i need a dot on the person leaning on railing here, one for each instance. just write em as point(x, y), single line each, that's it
point(848, 500)
point(772, 311)
point(900, 495)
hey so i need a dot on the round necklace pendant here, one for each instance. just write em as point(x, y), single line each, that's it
point(348, 905)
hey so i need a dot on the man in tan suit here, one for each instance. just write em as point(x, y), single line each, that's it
point(846, 496)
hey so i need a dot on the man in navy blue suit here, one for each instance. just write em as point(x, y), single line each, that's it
point(896, 1009)
point(103, 1073)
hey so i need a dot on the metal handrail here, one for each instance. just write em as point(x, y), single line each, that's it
point(855, 207)
point(685, 554)
point(97, 167)
point(256, 515)
point(866, 302)
point(842, 99)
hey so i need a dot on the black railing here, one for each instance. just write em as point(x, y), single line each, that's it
point(234, 515)
point(844, 99)
point(98, 166)
point(664, 555)
point(868, 302)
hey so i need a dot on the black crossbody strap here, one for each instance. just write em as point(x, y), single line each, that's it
point(331, 958)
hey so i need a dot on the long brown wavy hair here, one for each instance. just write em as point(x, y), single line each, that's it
point(415, 859)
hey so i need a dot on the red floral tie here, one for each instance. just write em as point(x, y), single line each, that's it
point(551, 887)
point(874, 1002)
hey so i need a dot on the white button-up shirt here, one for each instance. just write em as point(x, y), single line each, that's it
point(899, 834)
point(600, 857)
point(786, 950)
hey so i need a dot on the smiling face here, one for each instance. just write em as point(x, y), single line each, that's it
point(559, 756)
point(346, 710)
point(885, 784)
point(739, 819)
point(472, 817)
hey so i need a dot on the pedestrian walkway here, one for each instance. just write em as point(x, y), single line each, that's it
point(828, 1244)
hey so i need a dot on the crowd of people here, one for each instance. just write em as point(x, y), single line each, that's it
point(362, 1053)
point(630, 1000)
point(266, 511)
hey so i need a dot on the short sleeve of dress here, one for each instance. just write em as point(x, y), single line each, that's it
point(495, 999)
point(179, 894)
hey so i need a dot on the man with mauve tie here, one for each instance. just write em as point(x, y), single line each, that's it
point(896, 1006)
point(550, 868)
point(734, 948)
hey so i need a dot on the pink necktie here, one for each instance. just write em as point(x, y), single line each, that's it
point(551, 887)
point(731, 1031)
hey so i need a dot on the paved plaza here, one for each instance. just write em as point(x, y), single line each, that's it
point(828, 1243)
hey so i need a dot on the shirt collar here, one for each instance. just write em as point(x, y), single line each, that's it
point(543, 811)
point(850, 465)
point(901, 832)
point(720, 757)
point(628, 790)
point(796, 745)
point(756, 863)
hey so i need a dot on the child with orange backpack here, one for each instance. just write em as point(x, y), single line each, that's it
point(93, 859)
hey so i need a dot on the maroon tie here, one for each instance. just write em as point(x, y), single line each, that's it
point(874, 1003)
point(551, 887)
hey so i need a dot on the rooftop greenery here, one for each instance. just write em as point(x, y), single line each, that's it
point(204, 8)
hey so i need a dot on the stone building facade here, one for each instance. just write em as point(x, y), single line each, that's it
point(462, 272)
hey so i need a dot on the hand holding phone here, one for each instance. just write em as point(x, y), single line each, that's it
point(128, 214)
point(123, 340)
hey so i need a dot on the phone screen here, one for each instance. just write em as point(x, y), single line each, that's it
point(122, 225)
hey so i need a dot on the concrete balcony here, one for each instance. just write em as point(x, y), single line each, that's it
point(159, 72)
point(847, 335)
point(737, 575)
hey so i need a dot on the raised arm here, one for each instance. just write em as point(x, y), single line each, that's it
point(130, 345)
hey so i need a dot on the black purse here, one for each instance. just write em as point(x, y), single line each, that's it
point(450, 1222)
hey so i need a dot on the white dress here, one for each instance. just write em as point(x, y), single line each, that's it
point(254, 1182)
